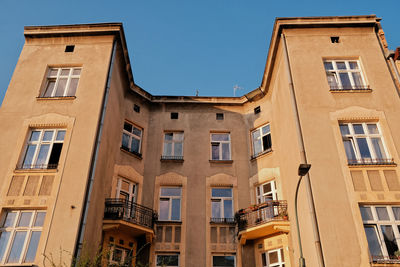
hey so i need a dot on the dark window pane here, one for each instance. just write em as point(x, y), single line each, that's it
point(32, 247)
point(267, 144)
point(17, 246)
point(344, 129)
point(358, 128)
point(224, 261)
point(366, 213)
point(221, 192)
point(55, 154)
point(128, 127)
point(363, 147)
point(390, 240)
point(373, 241)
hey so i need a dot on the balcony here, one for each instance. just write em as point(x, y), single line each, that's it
point(262, 220)
point(128, 216)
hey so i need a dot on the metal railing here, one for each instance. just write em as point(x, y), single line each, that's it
point(262, 213)
point(351, 88)
point(261, 153)
point(223, 220)
point(37, 166)
point(384, 259)
point(120, 209)
point(171, 157)
point(368, 161)
point(131, 151)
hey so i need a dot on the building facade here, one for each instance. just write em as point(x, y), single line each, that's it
point(92, 163)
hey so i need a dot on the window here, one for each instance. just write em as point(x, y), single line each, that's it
point(273, 258)
point(266, 192)
point(364, 144)
point(132, 138)
point(219, 116)
point(170, 204)
point(69, 48)
point(257, 110)
point(167, 260)
point(344, 75)
point(382, 226)
point(220, 146)
point(61, 82)
point(174, 115)
point(19, 236)
point(43, 149)
point(221, 205)
point(120, 256)
point(224, 261)
point(173, 145)
point(261, 138)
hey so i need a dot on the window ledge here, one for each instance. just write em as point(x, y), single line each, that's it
point(169, 222)
point(259, 155)
point(351, 90)
point(133, 154)
point(176, 159)
point(42, 98)
point(361, 165)
point(221, 161)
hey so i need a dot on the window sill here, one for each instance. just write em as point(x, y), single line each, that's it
point(222, 221)
point(169, 222)
point(259, 155)
point(133, 154)
point(42, 98)
point(176, 159)
point(221, 161)
point(351, 90)
point(37, 168)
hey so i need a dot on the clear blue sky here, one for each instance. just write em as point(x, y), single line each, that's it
point(180, 46)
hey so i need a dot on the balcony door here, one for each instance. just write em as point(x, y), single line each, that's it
point(265, 194)
point(126, 190)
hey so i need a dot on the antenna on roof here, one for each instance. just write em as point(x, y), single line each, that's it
point(197, 92)
point(236, 87)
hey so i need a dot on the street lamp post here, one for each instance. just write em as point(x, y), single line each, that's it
point(303, 170)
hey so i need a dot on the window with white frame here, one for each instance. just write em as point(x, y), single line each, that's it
point(173, 145)
point(120, 256)
point(220, 146)
point(19, 236)
point(61, 82)
point(126, 190)
point(132, 138)
point(363, 143)
point(167, 260)
point(266, 192)
point(43, 149)
point(344, 75)
point(221, 204)
point(382, 229)
point(223, 261)
point(273, 258)
point(170, 204)
point(261, 139)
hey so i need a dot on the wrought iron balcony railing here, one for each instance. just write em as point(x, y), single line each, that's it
point(37, 166)
point(177, 158)
point(127, 149)
point(368, 161)
point(384, 259)
point(350, 88)
point(262, 213)
point(120, 209)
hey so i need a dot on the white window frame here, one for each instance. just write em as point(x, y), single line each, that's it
point(39, 143)
point(124, 256)
point(219, 144)
point(168, 254)
point(352, 137)
point(177, 138)
point(170, 198)
point(13, 229)
point(221, 201)
point(265, 257)
point(335, 74)
point(131, 136)
point(377, 223)
point(260, 139)
point(222, 255)
point(131, 193)
point(56, 78)
point(260, 194)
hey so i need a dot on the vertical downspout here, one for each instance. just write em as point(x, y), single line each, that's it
point(89, 187)
point(314, 222)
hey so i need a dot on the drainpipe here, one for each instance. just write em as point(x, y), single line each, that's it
point(314, 222)
point(89, 187)
point(394, 67)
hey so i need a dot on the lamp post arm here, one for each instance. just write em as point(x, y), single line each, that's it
point(302, 262)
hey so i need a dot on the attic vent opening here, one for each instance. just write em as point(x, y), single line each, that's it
point(257, 110)
point(174, 115)
point(220, 116)
point(334, 39)
point(69, 48)
point(136, 108)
